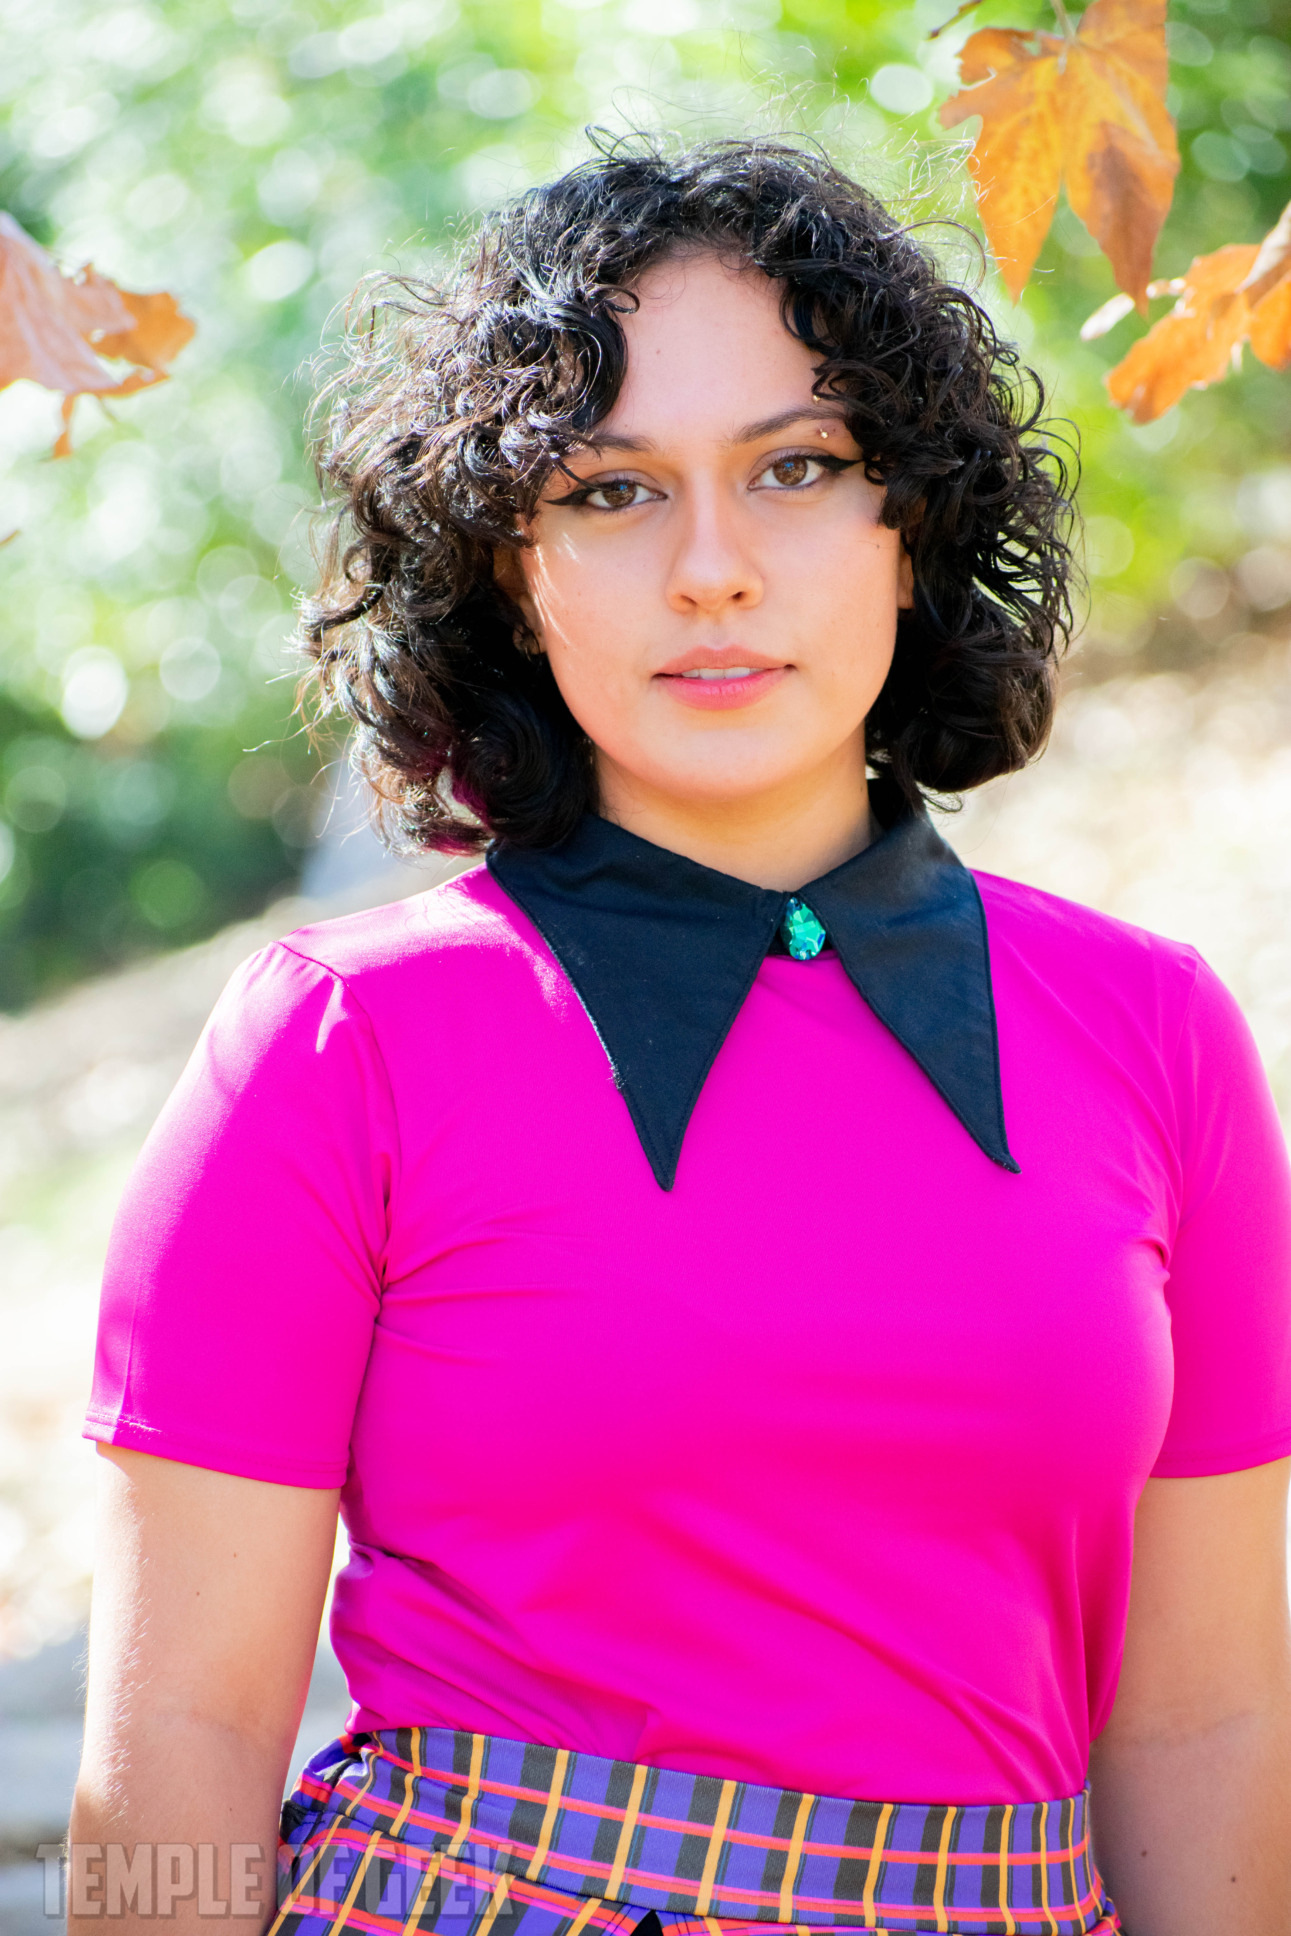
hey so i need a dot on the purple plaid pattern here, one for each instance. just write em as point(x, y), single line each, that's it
point(423, 1829)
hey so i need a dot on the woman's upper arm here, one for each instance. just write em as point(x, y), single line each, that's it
point(208, 1594)
point(246, 1266)
point(1207, 1637)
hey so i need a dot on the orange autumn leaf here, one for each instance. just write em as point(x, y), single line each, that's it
point(1238, 294)
point(1086, 109)
point(1194, 344)
point(159, 331)
point(45, 317)
point(55, 328)
point(1270, 331)
point(1267, 290)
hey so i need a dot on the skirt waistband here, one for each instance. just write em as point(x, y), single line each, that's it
point(427, 1829)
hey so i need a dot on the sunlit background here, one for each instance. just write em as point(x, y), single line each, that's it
point(161, 812)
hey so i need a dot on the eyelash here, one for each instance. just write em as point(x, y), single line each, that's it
point(829, 462)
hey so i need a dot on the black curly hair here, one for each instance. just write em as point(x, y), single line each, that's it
point(456, 403)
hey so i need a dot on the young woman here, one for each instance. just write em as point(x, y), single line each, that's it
point(800, 1335)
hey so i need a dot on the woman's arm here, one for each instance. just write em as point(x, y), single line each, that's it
point(1192, 1775)
point(208, 1592)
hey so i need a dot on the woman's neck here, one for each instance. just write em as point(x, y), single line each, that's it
point(780, 839)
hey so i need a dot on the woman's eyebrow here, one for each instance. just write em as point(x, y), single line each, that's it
point(747, 434)
point(768, 426)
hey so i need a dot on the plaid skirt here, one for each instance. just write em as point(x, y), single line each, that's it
point(425, 1829)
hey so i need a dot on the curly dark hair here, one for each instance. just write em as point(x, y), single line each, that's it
point(457, 402)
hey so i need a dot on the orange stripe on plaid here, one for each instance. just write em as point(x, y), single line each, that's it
point(471, 1796)
point(793, 1859)
point(361, 1868)
point(584, 1915)
point(1050, 1919)
point(1006, 1886)
point(876, 1857)
point(595, 1909)
point(627, 1831)
point(725, 1802)
point(498, 1898)
point(1068, 1825)
point(409, 1789)
point(939, 1887)
point(549, 1814)
point(422, 1896)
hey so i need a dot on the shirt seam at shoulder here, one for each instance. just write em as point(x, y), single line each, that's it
point(1195, 966)
point(326, 968)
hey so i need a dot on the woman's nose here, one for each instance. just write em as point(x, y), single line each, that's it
point(713, 566)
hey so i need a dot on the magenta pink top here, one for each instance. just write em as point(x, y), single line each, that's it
point(817, 1470)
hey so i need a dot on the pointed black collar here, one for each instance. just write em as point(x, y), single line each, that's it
point(662, 953)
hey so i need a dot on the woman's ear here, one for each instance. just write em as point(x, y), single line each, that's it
point(905, 579)
point(508, 575)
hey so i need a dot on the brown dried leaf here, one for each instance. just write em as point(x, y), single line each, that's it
point(1016, 159)
point(158, 332)
point(1118, 137)
point(1239, 294)
point(137, 380)
point(46, 316)
point(52, 325)
point(1087, 109)
point(1194, 344)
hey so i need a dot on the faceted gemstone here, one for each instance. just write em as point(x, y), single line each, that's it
point(803, 934)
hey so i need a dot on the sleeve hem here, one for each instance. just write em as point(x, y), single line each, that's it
point(1224, 1458)
point(236, 1460)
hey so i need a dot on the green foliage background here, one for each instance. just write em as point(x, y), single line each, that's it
point(258, 157)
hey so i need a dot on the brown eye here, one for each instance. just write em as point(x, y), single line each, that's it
point(790, 470)
point(617, 495)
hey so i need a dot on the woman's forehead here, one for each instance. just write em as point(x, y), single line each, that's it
point(707, 344)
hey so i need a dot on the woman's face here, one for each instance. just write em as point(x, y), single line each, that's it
point(713, 588)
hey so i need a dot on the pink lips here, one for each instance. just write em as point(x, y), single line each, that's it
point(721, 695)
point(722, 680)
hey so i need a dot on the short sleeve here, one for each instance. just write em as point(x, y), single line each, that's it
point(1229, 1289)
point(245, 1265)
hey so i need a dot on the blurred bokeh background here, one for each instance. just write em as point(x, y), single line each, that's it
point(161, 810)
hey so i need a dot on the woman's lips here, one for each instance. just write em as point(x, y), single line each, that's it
point(719, 689)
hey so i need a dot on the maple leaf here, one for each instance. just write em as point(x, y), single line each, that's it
point(55, 328)
point(1238, 294)
point(1086, 109)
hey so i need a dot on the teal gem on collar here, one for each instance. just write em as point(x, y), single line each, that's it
point(803, 934)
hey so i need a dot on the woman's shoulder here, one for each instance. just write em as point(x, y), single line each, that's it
point(376, 952)
point(1087, 958)
point(335, 997)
